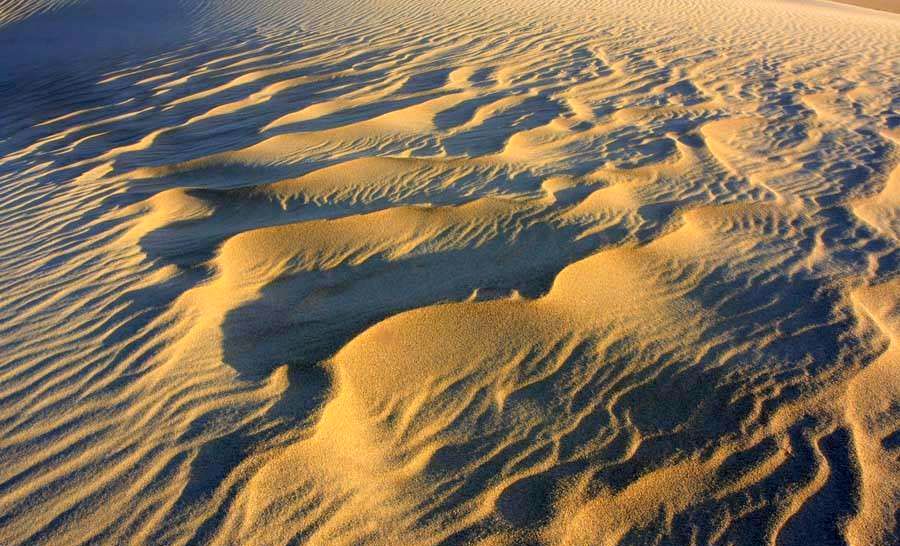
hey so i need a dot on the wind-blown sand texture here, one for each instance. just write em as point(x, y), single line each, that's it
point(513, 272)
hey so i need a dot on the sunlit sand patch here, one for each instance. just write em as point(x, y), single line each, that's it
point(565, 272)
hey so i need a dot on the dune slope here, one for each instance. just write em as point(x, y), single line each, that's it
point(558, 272)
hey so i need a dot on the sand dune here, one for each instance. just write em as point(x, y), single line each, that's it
point(568, 272)
point(883, 5)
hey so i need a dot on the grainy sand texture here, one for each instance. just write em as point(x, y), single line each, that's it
point(449, 272)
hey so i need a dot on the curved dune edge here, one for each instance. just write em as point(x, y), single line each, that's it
point(869, 397)
point(881, 5)
point(380, 438)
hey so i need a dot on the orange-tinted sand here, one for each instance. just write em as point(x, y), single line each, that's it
point(440, 272)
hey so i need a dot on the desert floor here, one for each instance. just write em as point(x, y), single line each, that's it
point(397, 272)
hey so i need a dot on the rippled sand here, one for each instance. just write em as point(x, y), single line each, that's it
point(512, 272)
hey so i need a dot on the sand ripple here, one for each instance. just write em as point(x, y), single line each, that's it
point(452, 272)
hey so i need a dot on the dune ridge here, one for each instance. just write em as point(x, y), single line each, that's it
point(560, 272)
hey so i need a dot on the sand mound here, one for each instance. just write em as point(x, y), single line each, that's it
point(560, 272)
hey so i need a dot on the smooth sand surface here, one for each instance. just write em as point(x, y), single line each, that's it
point(892, 6)
point(395, 272)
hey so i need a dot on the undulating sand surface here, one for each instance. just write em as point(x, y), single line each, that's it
point(892, 6)
point(395, 272)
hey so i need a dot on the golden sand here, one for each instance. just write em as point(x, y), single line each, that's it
point(556, 272)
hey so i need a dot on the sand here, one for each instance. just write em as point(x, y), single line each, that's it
point(892, 6)
point(556, 272)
